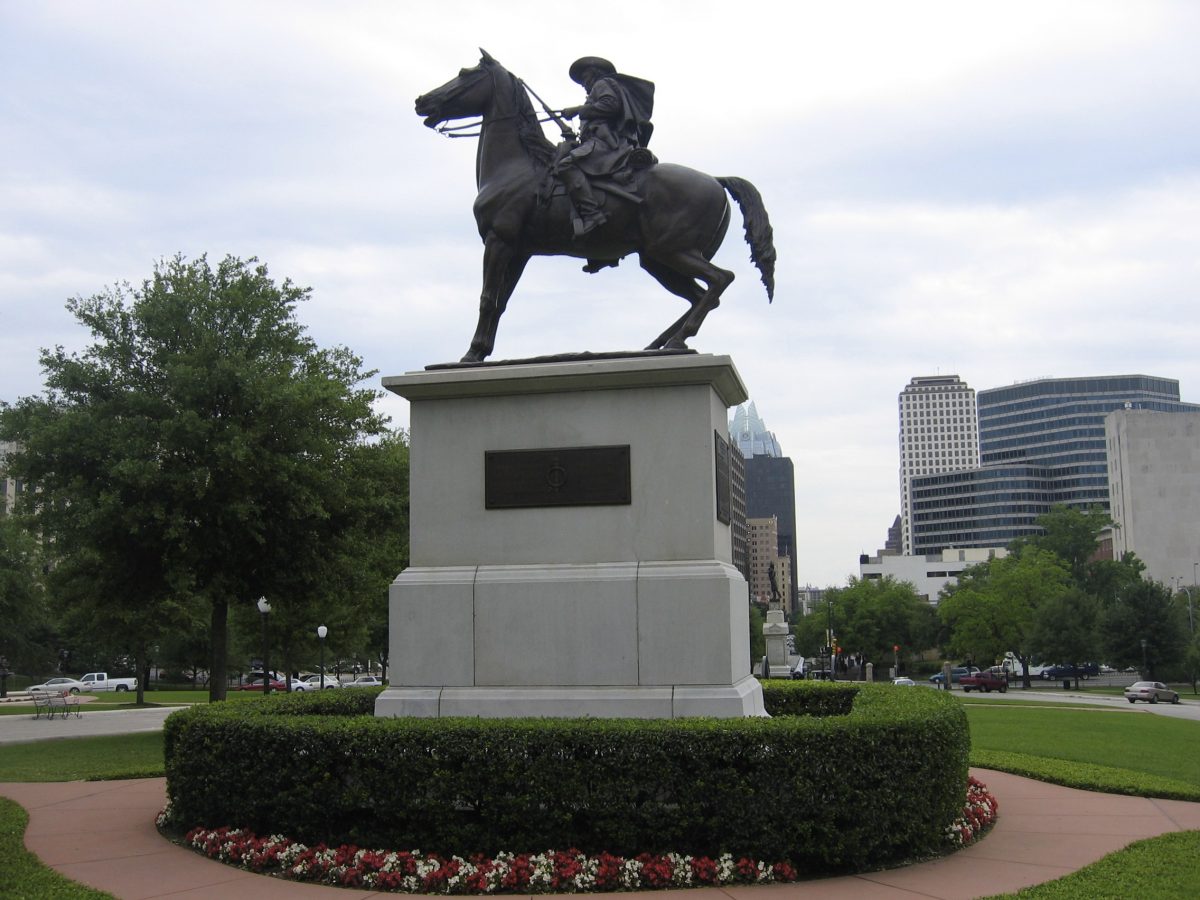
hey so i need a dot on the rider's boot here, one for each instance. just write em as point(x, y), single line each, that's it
point(590, 214)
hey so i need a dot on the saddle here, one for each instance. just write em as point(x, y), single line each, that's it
point(625, 183)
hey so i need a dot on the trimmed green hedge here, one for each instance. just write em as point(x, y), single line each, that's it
point(811, 698)
point(827, 793)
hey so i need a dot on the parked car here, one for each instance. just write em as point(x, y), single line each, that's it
point(254, 682)
point(904, 681)
point(1083, 670)
point(70, 685)
point(991, 680)
point(955, 674)
point(100, 681)
point(314, 682)
point(365, 681)
point(1150, 691)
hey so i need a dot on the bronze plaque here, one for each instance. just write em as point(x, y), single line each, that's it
point(568, 476)
point(722, 463)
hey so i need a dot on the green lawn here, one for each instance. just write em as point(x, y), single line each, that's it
point(91, 758)
point(1144, 742)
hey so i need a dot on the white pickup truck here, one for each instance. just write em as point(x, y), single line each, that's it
point(99, 681)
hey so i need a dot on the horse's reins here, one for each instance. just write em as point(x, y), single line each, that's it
point(551, 116)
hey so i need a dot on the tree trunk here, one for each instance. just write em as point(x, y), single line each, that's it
point(218, 670)
point(286, 648)
point(139, 664)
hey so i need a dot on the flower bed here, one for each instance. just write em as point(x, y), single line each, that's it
point(568, 871)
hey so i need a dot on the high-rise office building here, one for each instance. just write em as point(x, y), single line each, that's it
point(1154, 491)
point(749, 433)
point(1041, 443)
point(770, 484)
point(765, 560)
point(771, 491)
point(938, 433)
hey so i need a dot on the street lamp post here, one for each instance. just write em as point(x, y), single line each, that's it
point(1145, 665)
point(265, 608)
point(1192, 621)
point(321, 632)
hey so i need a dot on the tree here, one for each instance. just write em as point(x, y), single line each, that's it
point(1145, 611)
point(1070, 534)
point(196, 455)
point(871, 616)
point(990, 611)
point(1065, 628)
point(22, 635)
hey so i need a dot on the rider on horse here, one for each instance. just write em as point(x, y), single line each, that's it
point(614, 122)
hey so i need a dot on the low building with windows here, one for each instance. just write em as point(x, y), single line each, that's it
point(929, 574)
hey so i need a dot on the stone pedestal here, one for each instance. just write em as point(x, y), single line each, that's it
point(775, 632)
point(568, 557)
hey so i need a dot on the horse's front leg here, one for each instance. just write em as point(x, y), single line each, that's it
point(502, 267)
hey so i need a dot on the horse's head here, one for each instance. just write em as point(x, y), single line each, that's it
point(466, 95)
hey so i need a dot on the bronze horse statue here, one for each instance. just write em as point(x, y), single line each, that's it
point(675, 223)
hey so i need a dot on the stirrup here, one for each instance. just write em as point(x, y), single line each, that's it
point(591, 223)
point(595, 265)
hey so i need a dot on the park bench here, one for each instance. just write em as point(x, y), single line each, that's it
point(64, 702)
point(42, 706)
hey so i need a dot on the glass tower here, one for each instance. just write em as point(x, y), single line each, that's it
point(1041, 443)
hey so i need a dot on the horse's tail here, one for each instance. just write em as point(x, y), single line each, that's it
point(759, 234)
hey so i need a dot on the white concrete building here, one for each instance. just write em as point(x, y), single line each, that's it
point(1154, 490)
point(939, 432)
point(928, 574)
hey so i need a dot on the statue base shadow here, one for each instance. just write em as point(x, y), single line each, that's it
point(570, 544)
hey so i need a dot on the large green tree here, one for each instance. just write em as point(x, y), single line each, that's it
point(1065, 628)
point(22, 611)
point(871, 616)
point(1072, 535)
point(991, 610)
point(1145, 627)
point(197, 455)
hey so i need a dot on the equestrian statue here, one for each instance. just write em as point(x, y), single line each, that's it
point(599, 195)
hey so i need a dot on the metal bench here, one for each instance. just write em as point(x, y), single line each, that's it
point(65, 704)
point(42, 706)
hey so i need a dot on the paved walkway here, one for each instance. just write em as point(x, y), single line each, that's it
point(102, 834)
point(26, 729)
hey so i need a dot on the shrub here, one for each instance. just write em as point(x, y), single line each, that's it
point(834, 792)
point(812, 698)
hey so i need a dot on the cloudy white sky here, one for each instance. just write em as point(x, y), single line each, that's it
point(999, 190)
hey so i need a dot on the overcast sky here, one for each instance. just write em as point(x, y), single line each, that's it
point(1002, 191)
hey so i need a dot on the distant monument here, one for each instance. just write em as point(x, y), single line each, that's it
point(598, 196)
point(570, 544)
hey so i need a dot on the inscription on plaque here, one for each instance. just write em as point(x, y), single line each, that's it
point(722, 463)
point(567, 476)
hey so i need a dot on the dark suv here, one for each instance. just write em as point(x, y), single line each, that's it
point(1083, 670)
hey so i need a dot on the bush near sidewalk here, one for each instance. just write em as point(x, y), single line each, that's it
point(826, 792)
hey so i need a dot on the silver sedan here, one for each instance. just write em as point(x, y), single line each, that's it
point(1150, 691)
point(69, 685)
